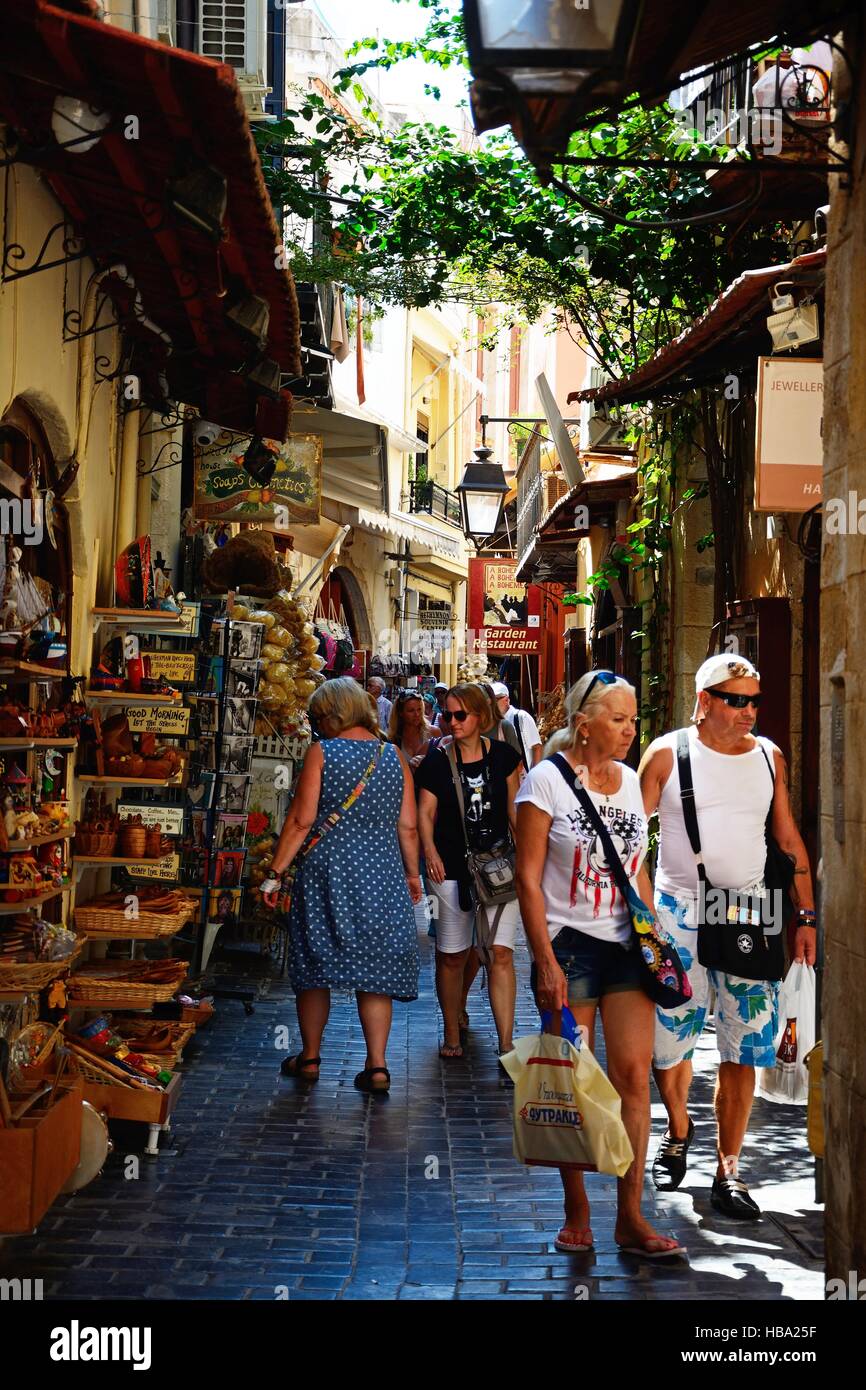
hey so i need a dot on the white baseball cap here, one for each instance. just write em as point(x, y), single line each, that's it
point(724, 666)
point(499, 689)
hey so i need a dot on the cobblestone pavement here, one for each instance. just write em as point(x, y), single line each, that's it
point(268, 1190)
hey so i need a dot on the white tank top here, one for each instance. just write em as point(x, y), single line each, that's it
point(732, 797)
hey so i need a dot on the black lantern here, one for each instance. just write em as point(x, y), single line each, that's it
point(536, 61)
point(482, 491)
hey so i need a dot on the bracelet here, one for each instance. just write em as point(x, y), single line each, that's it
point(807, 917)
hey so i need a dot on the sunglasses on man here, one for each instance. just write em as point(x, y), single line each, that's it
point(735, 701)
point(459, 714)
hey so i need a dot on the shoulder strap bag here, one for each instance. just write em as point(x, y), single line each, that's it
point(664, 977)
point(492, 873)
point(736, 933)
point(322, 826)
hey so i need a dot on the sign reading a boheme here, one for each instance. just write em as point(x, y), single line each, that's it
point(225, 491)
point(503, 614)
point(789, 447)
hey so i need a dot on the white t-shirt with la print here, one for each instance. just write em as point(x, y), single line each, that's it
point(578, 887)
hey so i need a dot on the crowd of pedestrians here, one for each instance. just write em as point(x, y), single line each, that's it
point(451, 799)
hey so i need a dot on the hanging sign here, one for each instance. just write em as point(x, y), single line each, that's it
point(157, 719)
point(503, 613)
point(168, 818)
point(178, 668)
point(225, 491)
point(166, 871)
point(789, 448)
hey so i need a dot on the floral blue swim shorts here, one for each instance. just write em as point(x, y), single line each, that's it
point(746, 1011)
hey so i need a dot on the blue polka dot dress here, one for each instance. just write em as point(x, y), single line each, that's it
point(351, 921)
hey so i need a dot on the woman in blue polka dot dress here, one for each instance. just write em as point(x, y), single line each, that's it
point(351, 921)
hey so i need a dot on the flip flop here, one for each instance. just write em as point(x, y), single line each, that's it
point(643, 1252)
point(581, 1243)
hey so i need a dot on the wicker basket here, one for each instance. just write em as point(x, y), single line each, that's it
point(36, 975)
point(147, 926)
point(180, 1034)
point(132, 841)
point(101, 990)
point(100, 1069)
point(97, 844)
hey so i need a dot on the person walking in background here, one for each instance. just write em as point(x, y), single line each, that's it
point(579, 928)
point(408, 728)
point(352, 827)
point(376, 688)
point(522, 721)
point(488, 773)
point(440, 691)
point(736, 777)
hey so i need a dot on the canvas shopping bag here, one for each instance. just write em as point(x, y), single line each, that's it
point(788, 1081)
point(566, 1112)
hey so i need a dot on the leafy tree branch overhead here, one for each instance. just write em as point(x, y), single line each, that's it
point(417, 213)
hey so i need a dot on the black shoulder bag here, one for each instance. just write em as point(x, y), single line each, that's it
point(736, 933)
point(663, 975)
point(492, 873)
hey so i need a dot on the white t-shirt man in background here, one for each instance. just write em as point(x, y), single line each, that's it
point(527, 729)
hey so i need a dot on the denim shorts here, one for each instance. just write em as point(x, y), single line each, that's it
point(593, 967)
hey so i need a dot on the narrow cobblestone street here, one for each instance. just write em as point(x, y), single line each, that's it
point(265, 1190)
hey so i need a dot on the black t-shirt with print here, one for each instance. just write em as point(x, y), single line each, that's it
point(486, 806)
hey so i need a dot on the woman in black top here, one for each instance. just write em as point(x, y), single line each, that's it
point(489, 777)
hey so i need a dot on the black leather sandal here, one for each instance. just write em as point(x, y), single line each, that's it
point(374, 1080)
point(296, 1066)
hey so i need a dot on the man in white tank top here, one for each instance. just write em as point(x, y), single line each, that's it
point(733, 790)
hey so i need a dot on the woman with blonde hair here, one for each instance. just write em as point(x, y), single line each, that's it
point(487, 772)
point(579, 928)
point(408, 727)
point(352, 827)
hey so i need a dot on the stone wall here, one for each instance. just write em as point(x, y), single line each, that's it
point(843, 641)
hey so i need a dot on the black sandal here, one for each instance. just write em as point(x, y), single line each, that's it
point(293, 1066)
point(365, 1080)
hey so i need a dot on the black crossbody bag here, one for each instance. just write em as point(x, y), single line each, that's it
point(734, 935)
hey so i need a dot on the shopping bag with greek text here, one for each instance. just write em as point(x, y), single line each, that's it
point(788, 1081)
point(566, 1112)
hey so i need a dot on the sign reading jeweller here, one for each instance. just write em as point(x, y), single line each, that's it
point(504, 615)
point(789, 447)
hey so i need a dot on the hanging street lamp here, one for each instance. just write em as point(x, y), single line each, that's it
point(482, 491)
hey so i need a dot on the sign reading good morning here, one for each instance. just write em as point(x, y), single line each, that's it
point(225, 491)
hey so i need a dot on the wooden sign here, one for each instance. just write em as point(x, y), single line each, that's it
point(166, 871)
point(503, 613)
point(225, 491)
point(190, 617)
point(158, 719)
point(178, 668)
point(789, 447)
point(169, 818)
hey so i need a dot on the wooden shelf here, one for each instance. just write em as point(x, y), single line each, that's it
point(179, 780)
point(113, 859)
point(16, 846)
point(29, 671)
point(28, 904)
point(129, 697)
point(38, 743)
point(153, 617)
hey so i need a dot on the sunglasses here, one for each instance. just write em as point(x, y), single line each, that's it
point(600, 678)
point(458, 714)
point(735, 701)
point(409, 695)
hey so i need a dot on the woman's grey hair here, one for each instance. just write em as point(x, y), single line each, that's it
point(342, 704)
point(578, 712)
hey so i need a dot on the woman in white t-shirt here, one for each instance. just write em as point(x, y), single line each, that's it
point(579, 931)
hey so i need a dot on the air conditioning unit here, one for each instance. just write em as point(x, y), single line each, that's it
point(235, 32)
point(604, 432)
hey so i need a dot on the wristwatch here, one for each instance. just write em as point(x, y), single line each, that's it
point(270, 885)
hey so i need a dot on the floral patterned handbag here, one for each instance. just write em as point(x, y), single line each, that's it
point(663, 974)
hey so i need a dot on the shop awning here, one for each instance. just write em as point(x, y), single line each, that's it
point(669, 38)
point(422, 538)
point(551, 555)
point(175, 129)
point(730, 334)
point(354, 459)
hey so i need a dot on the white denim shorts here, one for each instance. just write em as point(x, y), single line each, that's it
point(454, 925)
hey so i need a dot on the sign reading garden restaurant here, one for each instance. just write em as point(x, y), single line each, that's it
point(225, 491)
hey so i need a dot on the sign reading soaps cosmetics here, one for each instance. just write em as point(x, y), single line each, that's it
point(503, 614)
point(169, 818)
point(225, 491)
point(157, 719)
point(789, 449)
point(176, 667)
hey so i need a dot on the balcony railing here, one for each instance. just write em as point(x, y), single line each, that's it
point(435, 500)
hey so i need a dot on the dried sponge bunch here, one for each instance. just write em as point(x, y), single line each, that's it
point(292, 665)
